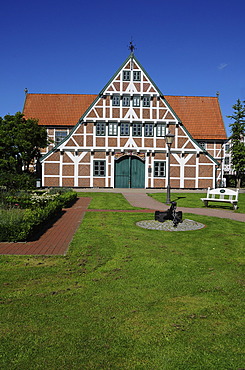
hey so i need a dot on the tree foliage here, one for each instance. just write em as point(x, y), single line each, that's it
point(20, 142)
point(237, 139)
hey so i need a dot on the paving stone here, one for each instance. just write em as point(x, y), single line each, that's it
point(186, 225)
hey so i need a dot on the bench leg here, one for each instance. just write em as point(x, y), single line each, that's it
point(235, 206)
point(206, 203)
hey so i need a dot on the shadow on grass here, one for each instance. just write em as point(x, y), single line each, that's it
point(175, 200)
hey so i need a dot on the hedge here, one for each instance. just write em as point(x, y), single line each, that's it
point(19, 225)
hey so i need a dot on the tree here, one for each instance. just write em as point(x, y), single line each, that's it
point(20, 142)
point(237, 140)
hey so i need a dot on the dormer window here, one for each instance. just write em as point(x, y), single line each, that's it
point(116, 100)
point(136, 75)
point(126, 75)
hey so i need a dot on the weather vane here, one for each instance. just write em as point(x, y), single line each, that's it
point(131, 47)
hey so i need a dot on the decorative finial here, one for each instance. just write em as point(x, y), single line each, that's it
point(26, 90)
point(131, 47)
point(217, 94)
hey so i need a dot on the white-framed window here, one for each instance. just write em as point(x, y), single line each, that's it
point(227, 161)
point(112, 129)
point(136, 101)
point(161, 129)
point(116, 100)
point(124, 129)
point(99, 168)
point(202, 144)
point(60, 135)
point(149, 127)
point(100, 128)
point(126, 101)
point(146, 101)
point(227, 148)
point(137, 129)
point(126, 75)
point(136, 75)
point(160, 169)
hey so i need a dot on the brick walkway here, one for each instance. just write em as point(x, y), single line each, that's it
point(56, 239)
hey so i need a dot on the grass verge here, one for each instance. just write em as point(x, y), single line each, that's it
point(104, 200)
point(127, 298)
point(193, 200)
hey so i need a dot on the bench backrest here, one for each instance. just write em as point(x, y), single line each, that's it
point(223, 193)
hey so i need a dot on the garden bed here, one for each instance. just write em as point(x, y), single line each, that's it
point(23, 215)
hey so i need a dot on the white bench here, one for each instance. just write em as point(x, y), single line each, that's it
point(221, 195)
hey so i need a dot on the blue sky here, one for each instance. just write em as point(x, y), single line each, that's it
point(188, 47)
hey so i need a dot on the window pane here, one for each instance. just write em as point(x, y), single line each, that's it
point(146, 101)
point(136, 76)
point(59, 136)
point(126, 101)
point(136, 101)
point(149, 129)
point(161, 129)
point(100, 128)
point(99, 168)
point(159, 169)
point(126, 75)
point(112, 129)
point(137, 129)
point(116, 100)
point(124, 129)
point(202, 144)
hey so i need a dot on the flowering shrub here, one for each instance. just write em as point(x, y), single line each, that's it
point(23, 199)
point(41, 200)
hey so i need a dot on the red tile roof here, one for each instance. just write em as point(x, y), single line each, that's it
point(200, 115)
point(57, 109)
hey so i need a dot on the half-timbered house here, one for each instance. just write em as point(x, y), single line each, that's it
point(116, 139)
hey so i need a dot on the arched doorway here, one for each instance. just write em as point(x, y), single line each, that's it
point(129, 172)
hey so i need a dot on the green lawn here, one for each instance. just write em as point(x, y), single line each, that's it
point(193, 200)
point(103, 200)
point(127, 298)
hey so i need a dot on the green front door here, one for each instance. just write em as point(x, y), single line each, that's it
point(129, 172)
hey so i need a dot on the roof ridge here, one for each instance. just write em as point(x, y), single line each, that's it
point(192, 96)
point(61, 94)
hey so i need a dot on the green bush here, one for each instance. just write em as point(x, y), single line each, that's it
point(68, 198)
point(15, 181)
point(16, 199)
point(59, 190)
point(24, 199)
point(12, 225)
point(19, 224)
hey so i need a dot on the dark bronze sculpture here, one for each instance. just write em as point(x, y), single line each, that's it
point(170, 214)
